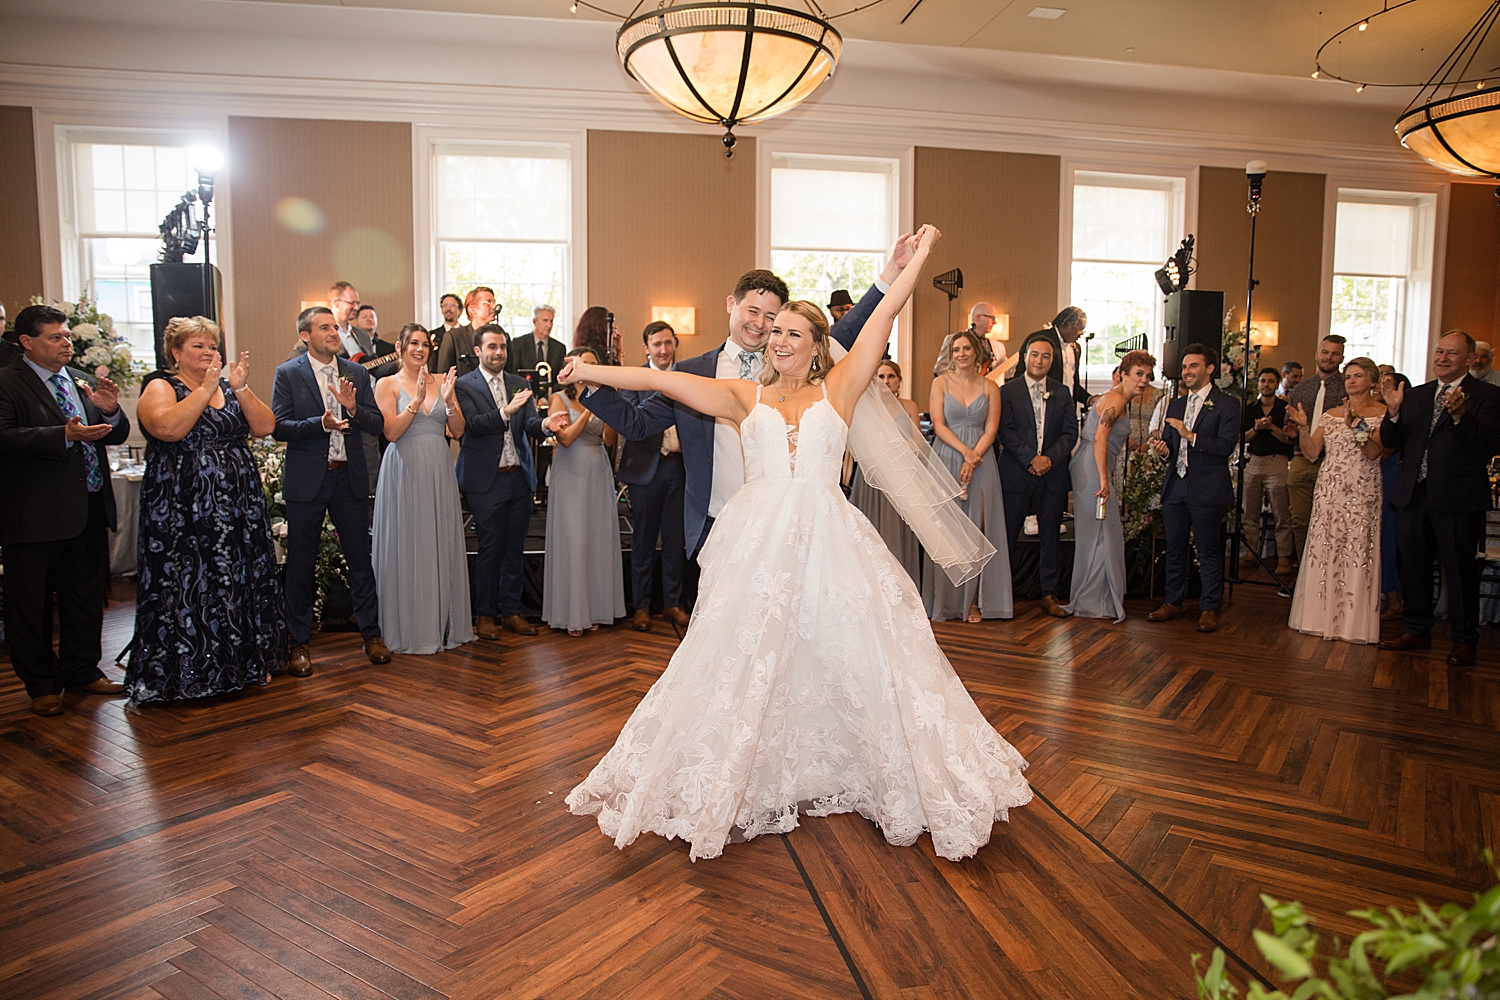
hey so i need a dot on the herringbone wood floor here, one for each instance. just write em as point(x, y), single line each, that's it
point(399, 832)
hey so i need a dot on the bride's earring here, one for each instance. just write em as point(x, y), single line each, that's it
point(815, 363)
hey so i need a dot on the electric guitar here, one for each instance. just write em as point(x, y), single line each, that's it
point(373, 363)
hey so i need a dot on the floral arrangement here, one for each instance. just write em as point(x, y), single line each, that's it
point(1233, 356)
point(1140, 497)
point(96, 349)
point(332, 570)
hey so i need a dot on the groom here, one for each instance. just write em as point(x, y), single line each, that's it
point(711, 454)
point(1202, 430)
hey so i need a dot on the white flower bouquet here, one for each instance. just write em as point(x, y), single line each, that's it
point(96, 349)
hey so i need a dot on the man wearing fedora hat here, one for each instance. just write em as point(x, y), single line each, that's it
point(839, 303)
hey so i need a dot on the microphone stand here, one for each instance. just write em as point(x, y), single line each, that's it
point(1237, 537)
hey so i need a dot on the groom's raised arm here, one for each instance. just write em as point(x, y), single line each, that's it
point(846, 330)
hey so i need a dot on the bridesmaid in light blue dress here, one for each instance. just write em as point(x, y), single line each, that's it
point(1099, 554)
point(418, 552)
point(972, 425)
point(583, 583)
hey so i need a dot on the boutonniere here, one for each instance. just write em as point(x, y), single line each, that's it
point(1046, 394)
point(82, 384)
point(1208, 404)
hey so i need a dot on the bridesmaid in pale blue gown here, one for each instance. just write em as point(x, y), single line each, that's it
point(1099, 554)
point(417, 548)
point(583, 583)
point(965, 437)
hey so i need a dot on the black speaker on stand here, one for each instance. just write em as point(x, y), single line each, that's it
point(1191, 317)
point(184, 290)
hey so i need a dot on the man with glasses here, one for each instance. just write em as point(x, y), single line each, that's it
point(981, 321)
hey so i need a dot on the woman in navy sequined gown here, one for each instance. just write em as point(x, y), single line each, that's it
point(208, 602)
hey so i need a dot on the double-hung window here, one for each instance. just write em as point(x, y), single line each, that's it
point(504, 218)
point(1382, 276)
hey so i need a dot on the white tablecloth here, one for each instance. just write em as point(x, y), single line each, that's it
point(127, 486)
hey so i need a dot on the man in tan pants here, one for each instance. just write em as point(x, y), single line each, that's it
point(1315, 395)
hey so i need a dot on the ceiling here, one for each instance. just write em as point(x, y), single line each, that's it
point(1278, 37)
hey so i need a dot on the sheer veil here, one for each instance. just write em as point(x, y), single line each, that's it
point(898, 461)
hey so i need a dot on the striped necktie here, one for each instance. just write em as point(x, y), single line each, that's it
point(95, 477)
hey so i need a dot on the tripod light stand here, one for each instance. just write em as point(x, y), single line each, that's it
point(1255, 170)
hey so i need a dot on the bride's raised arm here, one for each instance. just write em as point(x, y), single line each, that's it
point(850, 376)
point(722, 397)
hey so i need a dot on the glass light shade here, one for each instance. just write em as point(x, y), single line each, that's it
point(728, 63)
point(1001, 329)
point(682, 319)
point(1459, 134)
point(1265, 333)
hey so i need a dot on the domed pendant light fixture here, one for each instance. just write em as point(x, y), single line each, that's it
point(729, 62)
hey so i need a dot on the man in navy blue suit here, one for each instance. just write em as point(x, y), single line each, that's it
point(324, 407)
point(1202, 429)
point(1037, 434)
point(1445, 432)
point(652, 468)
point(498, 479)
point(713, 463)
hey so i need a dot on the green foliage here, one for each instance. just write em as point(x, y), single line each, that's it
point(1140, 496)
point(270, 456)
point(1452, 951)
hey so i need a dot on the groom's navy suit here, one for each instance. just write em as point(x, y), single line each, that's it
point(1046, 496)
point(637, 420)
point(1443, 514)
point(500, 498)
point(1195, 502)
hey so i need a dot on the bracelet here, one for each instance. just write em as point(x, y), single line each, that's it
point(411, 408)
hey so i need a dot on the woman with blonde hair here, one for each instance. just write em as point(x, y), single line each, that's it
point(1338, 584)
point(809, 682)
point(208, 601)
point(417, 546)
point(965, 409)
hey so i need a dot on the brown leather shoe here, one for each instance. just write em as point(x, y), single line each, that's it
point(1462, 655)
point(1393, 612)
point(676, 616)
point(487, 628)
point(518, 625)
point(641, 620)
point(1208, 621)
point(299, 664)
point(1283, 567)
point(1406, 642)
point(1050, 605)
point(376, 650)
point(101, 686)
point(1165, 613)
point(48, 705)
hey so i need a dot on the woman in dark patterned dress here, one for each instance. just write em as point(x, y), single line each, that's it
point(208, 603)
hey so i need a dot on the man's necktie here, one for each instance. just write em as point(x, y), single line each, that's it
point(1039, 413)
point(95, 477)
point(747, 358)
point(1437, 413)
point(335, 439)
point(1182, 447)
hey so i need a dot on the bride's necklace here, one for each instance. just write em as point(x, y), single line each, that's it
point(787, 392)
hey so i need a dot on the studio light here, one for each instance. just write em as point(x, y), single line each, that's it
point(729, 63)
point(1173, 275)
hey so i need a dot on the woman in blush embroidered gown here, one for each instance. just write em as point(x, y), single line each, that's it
point(1099, 556)
point(965, 441)
point(1338, 584)
point(417, 548)
point(809, 679)
point(208, 599)
point(583, 583)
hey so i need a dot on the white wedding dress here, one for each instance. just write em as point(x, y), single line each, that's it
point(809, 680)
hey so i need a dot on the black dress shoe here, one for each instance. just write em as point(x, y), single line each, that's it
point(1407, 642)
point(1462, 655)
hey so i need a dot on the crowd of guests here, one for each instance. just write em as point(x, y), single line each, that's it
point(1368, 479)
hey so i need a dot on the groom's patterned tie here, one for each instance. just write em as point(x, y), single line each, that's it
point(1437, 412)
point(747, 359)
point(1182, 446)
point(90, 455)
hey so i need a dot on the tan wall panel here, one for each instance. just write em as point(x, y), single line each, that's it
point(20, 225)
point(356, 225)
point(671, 223)
point(1472, 272)
point(1288, 254)
point(999, 216)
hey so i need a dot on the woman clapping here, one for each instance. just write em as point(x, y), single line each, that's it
point(208, 602)
point(421, 570)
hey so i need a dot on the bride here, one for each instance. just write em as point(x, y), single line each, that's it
point(809, 680)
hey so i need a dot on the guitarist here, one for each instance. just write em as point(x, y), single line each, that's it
point(981, 321)
point(371, 347)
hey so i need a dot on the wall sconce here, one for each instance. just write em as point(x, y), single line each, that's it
point(309, 303)
point(1265, 333)
point(1001, 329)
point(682, 319)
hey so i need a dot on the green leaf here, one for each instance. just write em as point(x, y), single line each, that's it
point(1285, 958)
point(1418, 949)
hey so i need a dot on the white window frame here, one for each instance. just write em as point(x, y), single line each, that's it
point(1181, 179)
point(1421, 316)
point(768, 150)
point(56, 134)
point(426, 142)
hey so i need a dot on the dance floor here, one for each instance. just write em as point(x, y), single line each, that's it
point(400, 832)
